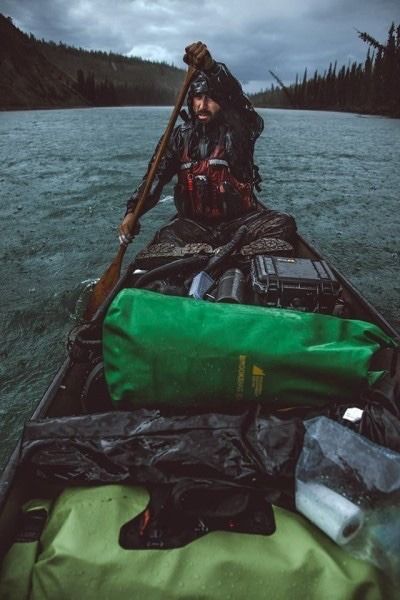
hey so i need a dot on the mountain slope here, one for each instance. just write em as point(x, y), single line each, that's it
point(134, 80)
point(27, 78)
point(40, 74)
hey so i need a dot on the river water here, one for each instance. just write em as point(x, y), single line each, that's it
point(65, 178)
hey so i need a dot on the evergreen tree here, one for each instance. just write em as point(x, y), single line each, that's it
point(371, 86)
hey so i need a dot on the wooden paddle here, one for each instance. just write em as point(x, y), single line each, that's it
point(110, 277)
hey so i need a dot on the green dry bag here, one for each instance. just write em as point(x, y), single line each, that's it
point(166, 350)
point(79, 557)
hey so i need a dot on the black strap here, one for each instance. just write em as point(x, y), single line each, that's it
point(177, 515)
point(31, 525)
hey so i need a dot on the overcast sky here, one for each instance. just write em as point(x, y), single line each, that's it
point(250, 36)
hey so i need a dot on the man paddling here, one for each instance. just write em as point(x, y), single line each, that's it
point(212, 155)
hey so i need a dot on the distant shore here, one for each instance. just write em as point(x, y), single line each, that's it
point(289, 108)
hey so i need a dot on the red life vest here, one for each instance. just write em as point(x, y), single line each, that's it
point(208, 191)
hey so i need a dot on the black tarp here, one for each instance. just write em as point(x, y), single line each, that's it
point(144, 447)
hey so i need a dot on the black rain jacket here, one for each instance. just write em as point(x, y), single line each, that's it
point(242, 128)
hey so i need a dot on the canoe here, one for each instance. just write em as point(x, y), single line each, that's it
point(79, 389)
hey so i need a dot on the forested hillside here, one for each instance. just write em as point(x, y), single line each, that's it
point(27, 78)
point(370, 87)
point(112, 79)
point(40, 74)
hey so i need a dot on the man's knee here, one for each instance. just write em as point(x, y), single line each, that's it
point(272, 223)
point(181, 231)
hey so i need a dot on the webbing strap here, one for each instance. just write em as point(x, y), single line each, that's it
point(211, 161)
point(218, 161)
point(187, 165)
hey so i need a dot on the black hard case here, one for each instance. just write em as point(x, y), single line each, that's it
point(297, 283)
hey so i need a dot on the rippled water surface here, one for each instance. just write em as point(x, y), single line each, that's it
point(65, 178)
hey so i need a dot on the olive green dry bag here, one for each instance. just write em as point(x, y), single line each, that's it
point(79, 557)
point(166, 350)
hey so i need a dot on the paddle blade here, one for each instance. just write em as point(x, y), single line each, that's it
point(105, 284)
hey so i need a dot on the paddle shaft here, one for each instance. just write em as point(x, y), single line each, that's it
point(163, 144)
point(110, 277)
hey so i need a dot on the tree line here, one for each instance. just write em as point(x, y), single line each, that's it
point(110, 79)
point(103, 92)
point(99, 78)
point(372, 86)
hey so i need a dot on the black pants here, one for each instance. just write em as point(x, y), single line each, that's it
point(261, 223)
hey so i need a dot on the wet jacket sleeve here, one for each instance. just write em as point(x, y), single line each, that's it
point(237, 103)
point(167, 168)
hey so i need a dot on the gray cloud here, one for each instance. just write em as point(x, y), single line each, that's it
point(251, 36)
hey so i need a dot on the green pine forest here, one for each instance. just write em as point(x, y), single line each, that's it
point(40, 74)
point(371, 87)
point(108, 79)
